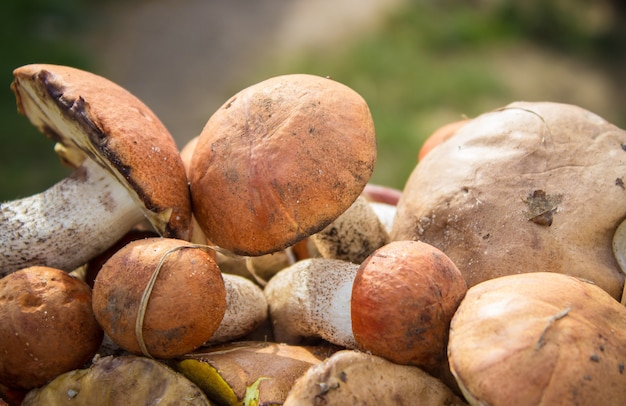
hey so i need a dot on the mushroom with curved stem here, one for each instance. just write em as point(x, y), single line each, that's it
point(127, 168)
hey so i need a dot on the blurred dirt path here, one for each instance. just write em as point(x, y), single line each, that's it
point(185, 58)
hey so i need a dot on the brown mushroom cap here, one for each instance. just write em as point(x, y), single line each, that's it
point(91, 117)
point(47, 326)
point(529, 187)
point(279, 161)
point(403, 298)
point(186, 305)
point(539, 338)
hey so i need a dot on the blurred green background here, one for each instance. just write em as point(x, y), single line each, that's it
point(424, 64)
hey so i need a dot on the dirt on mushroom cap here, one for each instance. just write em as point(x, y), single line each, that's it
point(539, 338)
point(279, 161)
point(528, 187)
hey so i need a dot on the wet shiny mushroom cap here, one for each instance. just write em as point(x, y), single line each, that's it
point(90, 117)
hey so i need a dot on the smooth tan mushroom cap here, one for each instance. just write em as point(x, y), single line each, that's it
point(539, 339)
point(91, 117)
point(279, 161)
point(529, 187)
point(186, 305)
point(47, 326)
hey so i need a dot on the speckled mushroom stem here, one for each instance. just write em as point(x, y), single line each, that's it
point(68, 224)
point(311, 299)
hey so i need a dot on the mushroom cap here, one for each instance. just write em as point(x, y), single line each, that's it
point(539, 338)
point(90, 117)
point(528, 187)
point(357, 378)
point(185, 308)
point(279, 161)
point(47, 326)
point(403, 298)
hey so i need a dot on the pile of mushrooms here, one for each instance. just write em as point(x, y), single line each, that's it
point(257, 264)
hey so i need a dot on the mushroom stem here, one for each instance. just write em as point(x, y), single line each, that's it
point(68, 224)
point(311, 299)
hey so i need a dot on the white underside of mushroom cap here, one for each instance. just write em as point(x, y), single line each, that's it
point(312, 299)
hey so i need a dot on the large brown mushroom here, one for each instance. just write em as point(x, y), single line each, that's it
point(528, 187)
point(279, 161)
point(127, 168)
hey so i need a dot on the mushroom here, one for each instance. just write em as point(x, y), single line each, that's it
point(123, 380)
point(539, 338)
point(311, 299)
point(246, 309)
point(126, 168)
point(353, 377)
point(352, 236)
point(403, 299)
point(440, 135)
point(249, 372)
point(47, 326)
point(160, 297)
point(397, 304)
point(279, 161)
point(528, 187)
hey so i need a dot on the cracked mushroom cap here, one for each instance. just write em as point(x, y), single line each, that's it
point(90, 117)
point(279, 161)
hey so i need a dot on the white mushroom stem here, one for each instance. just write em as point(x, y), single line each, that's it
point(246, 309)
point(68, 224)
point(354, 235)
point(311, 299)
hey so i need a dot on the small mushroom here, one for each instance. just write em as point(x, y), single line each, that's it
point(279, 161)
point(403, 299)
point(311, 299)
point(127, 168)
